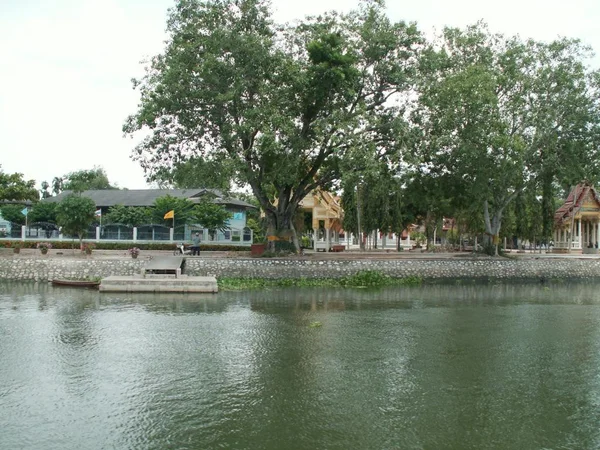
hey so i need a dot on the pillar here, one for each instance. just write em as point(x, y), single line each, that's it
point(97, 234)
point(328, 238)
point(407, 239)
point(134, 234)
point(579, 231)
point(171, 233)
point(23, 232)
point(315, 237)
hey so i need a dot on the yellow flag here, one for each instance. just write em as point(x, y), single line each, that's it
point(170, 214)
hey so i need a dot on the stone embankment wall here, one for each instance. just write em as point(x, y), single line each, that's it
point(20, 268)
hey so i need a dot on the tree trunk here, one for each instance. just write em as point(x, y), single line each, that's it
point(280, 227)
point(295, 240)
point(279, 217)
point(492, 226)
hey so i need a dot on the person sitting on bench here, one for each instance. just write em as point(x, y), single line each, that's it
point(196, 245)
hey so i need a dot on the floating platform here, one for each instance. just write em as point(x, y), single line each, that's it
point(158, 283)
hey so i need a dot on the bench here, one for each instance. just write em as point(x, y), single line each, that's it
point(164, 265)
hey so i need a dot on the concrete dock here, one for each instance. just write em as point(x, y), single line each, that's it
point(158, 283)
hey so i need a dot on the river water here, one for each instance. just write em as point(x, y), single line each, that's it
point(435, 367)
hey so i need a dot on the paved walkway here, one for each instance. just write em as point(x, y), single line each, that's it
point(346, 255)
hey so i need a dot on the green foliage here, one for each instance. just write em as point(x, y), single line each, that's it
point(499, 116)
point(45, 190)
point(258, 230)
point(453, 237)
point(129, 215)
point(14, 187)
point(83, 180)
point(43, 212)
point(418, 237)
point(306, 242)
point(75, 214)
point(360, 279)
point(197, 172)
point(281, 104)
point(12, 213)
point(212, 216)
point(184, 210)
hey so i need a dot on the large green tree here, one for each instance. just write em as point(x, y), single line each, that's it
point(82, 180)
point(483, 113)
point(283, 104)
point(183, 210)
point(13, 187)
point(43, 212)
point(129, 215)
point(212, 216)
point(75, 214)
point(13, 214)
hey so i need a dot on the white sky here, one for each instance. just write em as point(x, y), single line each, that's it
point(66, 66)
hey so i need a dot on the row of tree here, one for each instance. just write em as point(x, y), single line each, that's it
point(467, 125)
point(212, 216)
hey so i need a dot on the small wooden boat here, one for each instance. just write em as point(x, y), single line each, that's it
point(76, 283)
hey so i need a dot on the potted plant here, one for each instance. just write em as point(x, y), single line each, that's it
point(44, 247)
point(134, 252)
point(257, 249)
point(87, 248)
point(16, 246)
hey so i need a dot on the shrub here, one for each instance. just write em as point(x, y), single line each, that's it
point(44, 246)
point(305, 242)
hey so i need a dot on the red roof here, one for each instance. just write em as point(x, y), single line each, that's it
point(574, 202)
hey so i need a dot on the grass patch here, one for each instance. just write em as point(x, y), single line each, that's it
point(366, 278)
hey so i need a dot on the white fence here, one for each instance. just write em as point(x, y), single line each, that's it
point(141, 234)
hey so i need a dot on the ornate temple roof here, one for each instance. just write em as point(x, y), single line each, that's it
point(575, 202)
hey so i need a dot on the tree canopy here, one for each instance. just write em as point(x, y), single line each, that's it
point(80, 180)
point(498, 115)
point(75, 214)
point(14, 188)
point(281, 103)
point(461, 125)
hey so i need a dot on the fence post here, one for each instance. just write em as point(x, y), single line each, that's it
point(134, 234)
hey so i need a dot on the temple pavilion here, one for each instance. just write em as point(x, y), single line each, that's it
point(327, 217)
point(577, 221)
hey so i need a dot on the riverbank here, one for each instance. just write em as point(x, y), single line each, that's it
point(36, 267)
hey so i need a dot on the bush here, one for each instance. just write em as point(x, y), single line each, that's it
point(305, 242)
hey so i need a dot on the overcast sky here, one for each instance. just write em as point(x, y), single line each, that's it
point(66, 66)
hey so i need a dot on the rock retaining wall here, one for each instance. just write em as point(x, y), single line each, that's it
point(38, 269)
